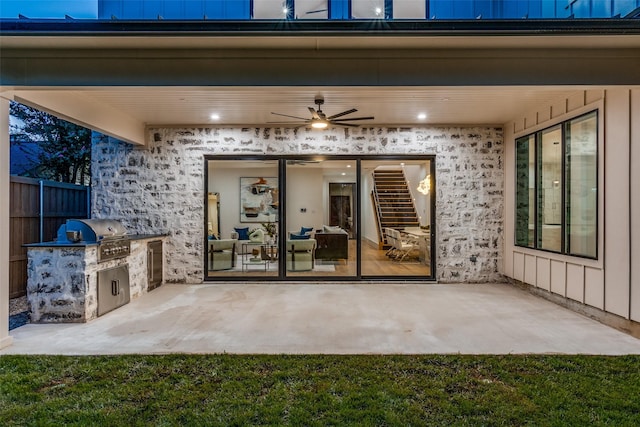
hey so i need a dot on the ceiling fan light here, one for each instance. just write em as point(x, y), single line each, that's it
point(319, 124)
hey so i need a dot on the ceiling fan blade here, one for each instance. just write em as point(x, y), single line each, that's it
point(350, 125)
point(314, 113)
point(316, 11)
point(293, 117)
point(289, 123)
point(354, 118)
point(344, 113)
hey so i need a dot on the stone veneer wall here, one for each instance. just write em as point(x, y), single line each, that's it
point(62, 283)
point(160, 188)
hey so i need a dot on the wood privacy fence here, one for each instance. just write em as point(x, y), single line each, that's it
point(37, 209)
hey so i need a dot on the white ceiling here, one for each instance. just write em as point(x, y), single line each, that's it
point(177, 106)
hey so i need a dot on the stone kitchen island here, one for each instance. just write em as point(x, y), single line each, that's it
point(62, 283)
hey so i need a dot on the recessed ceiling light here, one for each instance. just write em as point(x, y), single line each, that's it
point(343, 173)
point(422, 116)
point(348, 166)
point(215, 116)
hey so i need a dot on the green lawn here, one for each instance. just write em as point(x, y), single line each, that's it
point(320, 390)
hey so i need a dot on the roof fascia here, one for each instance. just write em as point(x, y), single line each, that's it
point(354, 28)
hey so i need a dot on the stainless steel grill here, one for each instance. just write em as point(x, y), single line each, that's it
point(109, 234)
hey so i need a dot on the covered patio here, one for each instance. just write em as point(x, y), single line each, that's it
point(344, 318)
point(143, 80)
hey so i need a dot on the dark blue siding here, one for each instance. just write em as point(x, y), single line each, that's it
point(341, 9)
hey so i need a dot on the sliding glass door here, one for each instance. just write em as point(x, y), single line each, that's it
point(321, 218)
point(396, 209)
point(242, 238)
point(311, 218)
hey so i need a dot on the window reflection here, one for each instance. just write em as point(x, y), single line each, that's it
point(582, 185)
point(367, 9)
point(270, 9)
point(550, 194)
point(525, 191)
point(409, 9)
point(311, 9)
point(339, 9)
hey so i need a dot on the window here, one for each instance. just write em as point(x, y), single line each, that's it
point(581, 137)
point(525, 191)
point(557, 188)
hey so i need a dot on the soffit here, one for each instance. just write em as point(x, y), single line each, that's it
point(249, 106)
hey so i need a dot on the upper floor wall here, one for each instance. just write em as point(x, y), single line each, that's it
point(364, 9)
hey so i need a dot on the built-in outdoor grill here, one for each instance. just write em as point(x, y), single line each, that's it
point(94, 266)
point(109, 234)
point(113, 243)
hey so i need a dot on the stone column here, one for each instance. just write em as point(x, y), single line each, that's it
point(5, 338)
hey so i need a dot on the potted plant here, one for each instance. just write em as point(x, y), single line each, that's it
point(270, 229)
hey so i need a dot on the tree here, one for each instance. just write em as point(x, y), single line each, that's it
point(62, 149)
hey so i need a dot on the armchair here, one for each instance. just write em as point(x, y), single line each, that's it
point(300, 254)
point(222, 254)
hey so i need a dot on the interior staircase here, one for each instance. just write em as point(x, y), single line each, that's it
point(393, 202)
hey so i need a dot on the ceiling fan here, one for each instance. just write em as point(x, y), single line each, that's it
point(319, 119)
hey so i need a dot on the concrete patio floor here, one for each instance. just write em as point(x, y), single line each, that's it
point(309, 318)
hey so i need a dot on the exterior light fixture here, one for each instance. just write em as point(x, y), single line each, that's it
point(319, 124)
point(378, 11)
point(424, 185)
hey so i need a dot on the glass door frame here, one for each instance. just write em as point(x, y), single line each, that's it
point(282, 218)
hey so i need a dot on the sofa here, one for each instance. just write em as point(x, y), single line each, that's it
point(222, 254)
point(300, 254)
point(332, 244)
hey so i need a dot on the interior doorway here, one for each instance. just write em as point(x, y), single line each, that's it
point(341, 198)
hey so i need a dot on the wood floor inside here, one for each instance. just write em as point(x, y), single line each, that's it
point(374, 263)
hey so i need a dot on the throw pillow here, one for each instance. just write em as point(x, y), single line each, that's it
point(330, 229)
point(293, 236)
point(243, 233)
point(305, 230)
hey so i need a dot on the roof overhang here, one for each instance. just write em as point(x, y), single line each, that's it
point(46, 63)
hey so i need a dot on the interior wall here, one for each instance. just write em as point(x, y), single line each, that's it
point(226, 181)
point(606, 283)
point(414, 174)
point(368, 221)
point(306, 198)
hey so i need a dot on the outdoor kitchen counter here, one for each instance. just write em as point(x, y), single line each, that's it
point(62, 278)
point(55, 244)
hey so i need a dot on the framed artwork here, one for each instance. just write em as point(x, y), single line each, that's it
point(258, 199)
